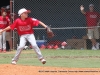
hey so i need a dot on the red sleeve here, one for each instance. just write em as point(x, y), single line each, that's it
point(14, 25)
point(8, 21)
point(34, 22)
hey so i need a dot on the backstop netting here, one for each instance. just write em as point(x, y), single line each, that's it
point(64, 17)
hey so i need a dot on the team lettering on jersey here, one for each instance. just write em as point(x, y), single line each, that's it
point(24, 28)
point(93, 16)
point(3, 22)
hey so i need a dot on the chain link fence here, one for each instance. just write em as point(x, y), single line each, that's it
point(65, 19)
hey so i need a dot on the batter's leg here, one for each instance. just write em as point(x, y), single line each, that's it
point(31, 39)
point(4, 41)
point(0, 43)
point(20, 48)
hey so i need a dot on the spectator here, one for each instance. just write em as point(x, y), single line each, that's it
point(2, 10)
point(92, 19)
point(8, 32)
point(4, 21)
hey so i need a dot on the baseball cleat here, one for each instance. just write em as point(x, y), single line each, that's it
point(0, 51)
point(13, 62)
point(93, 48)
point(4, 51)
point(97, 46)
point(43, 61)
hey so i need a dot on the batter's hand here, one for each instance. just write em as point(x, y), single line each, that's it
point(50, 33)
point(81, 7)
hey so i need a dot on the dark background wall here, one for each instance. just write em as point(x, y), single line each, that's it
point(4, 3)
point(58, 13)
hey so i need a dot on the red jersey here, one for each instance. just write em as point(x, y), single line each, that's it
point(8, 15)
point(24, 26)
point(92, 18)
point(4, 22)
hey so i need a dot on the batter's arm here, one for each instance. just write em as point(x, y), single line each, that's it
point(42, 24)
point(82, 9)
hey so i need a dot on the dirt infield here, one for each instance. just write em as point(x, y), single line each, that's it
point(8, 69)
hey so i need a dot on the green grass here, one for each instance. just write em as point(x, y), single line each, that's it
point(57, 58)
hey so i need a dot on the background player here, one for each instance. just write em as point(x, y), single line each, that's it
point(4, 22)
point(8, 32)
point(92, 19)
point(24, 26)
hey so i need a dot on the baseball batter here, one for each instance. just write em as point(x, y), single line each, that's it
point(24, 26)
point(4, 22)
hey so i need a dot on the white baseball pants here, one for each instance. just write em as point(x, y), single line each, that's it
point(3, 41)
point(23, 40)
